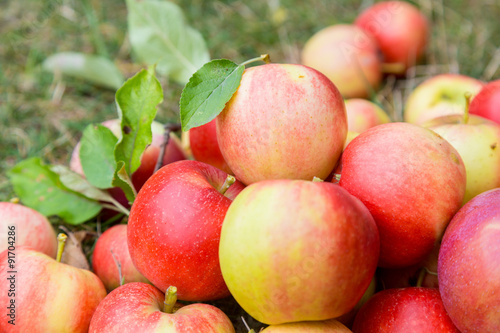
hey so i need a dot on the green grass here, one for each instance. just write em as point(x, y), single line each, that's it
point(42, 115)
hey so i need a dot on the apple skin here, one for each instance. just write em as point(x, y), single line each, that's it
point(411, 180)
point(104, 266)
point(400, 29)
point(327, 326)
point(138, 307)
point(294, 250)
point(174, 229)
point(440, 95)
point(478, 143)
point(205, 147)
point(31, 229)
point(487, 102)
point(274, 104)
point(363, 114)
point(347, 56)
point(415, 310)
point(49, 296)
point(469, 265)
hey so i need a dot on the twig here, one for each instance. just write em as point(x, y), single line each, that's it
point(166, 138)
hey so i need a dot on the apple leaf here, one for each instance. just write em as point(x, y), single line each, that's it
point(159, 35)
point(123, 181)
point(208, 91)
point(136, 101)
point(97, 157)
point(40, 188)
point(98, 70)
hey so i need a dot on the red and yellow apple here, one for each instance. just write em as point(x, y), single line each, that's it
point(326, 326)
point(363, 114)
point(487, 102)
point(294, 250)
point(284, 121)
point(347, 56)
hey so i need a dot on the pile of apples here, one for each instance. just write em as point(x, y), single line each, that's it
point(315, 213)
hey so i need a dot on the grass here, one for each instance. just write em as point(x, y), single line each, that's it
point(42, 115)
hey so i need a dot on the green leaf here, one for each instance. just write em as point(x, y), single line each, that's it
point(208, 91)
point(159, 35)
point(97, 157)
point(136, 101)
point(123, 181)
point(95, 69)
point(79, 184)
point(40, 188)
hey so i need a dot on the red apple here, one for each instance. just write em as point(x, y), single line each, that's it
point(205, 147)
point(139, 307)
point(22, 225)
point(415, 310)
point(400, 29)
point(284, 121)
point(469, 265)
point(440, 95)
point(347, 56)
point(363, 114)
point(477, 140)
point(174, 228)
point(44, 295)
point(111, 250)
point(411, 180)
point(327, 326)
point(487, 102)
point(294, 250)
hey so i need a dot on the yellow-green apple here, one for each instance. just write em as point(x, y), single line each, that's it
point(295, 250)
point(139, 307)
point(363, 114)
point(469, 265)
point(326, 326)
point(347, 56)
point(477, 140)
point(173, 152)
point(44, 295)
point(174, 228)
point(439, 95)
point(205, 147)
point(22, 225)
point(415, 310)
point(284, 121)
point(487, 102)
point(111, 260)
point(400, 29)
point(411, 180)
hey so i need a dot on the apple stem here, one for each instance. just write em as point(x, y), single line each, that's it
point(61, 243)
point(468, 97)
point(169, 128)
point(263, 57)
point(15, 200)
point(250, 330)
point(170, 299)
point(393, 68)
point(421, 277)
point(227, 183)
point(317, 180)
point(336, 177)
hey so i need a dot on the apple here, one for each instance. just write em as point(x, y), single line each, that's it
point(477, 140)
point(439, 95)
point(487, 102)
point(22, 225)
point(284, 121)
point(363, 114)
point(327, 326)
point(205, 147)
point(348, 318)
point(400, 29)
point(415, 310)
point(295, 250)
point(139, 307)
point(111, 250)
point(174, 228)
point(411, 180)
point(347, 56)
point(173, 152)
point(44, 295)
point(469, 265)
